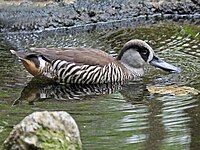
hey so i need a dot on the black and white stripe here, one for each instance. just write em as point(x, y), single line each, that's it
point(68, 72)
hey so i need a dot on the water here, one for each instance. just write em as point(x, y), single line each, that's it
point(123, 117)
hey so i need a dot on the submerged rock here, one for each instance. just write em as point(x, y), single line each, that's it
point(45, 130)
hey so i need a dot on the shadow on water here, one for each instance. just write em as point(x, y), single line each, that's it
point(119, 116)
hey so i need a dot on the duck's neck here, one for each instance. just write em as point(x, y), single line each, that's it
point(134, 72)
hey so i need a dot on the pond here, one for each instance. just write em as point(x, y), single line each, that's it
point(117, 116)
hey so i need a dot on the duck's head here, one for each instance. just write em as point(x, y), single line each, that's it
point(32, 62)
point(136, 53)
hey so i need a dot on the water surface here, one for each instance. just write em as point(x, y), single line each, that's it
point(113, 116)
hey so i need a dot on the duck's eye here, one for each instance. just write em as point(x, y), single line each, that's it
point(144, 51)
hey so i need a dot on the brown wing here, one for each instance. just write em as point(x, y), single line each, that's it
point(77, 55)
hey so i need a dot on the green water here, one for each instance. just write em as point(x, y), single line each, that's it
point(124, 117)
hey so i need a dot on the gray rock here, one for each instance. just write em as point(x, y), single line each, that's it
point(72, 13)
point(45, 130)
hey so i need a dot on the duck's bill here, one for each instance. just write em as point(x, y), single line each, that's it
point(157, 62)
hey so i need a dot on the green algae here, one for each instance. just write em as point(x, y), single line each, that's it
point(191, 31)
point(54, 140)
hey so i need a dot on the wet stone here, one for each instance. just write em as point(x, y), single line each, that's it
point(45, 130)
point(33, 16)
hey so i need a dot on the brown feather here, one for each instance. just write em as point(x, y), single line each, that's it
point(30, 67)
point(77, 55)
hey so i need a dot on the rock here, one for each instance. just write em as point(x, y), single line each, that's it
point(45, 130)
point(34, 15)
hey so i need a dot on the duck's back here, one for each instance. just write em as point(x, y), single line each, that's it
point(80, 56)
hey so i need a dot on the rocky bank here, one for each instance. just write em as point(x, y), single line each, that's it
point(40, 15)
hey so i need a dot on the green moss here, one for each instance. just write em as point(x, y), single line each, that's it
point(190, 30)
point(51, 140)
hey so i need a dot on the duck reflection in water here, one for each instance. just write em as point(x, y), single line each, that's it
point(37, 90)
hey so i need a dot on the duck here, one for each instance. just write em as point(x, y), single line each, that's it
point(92, 66)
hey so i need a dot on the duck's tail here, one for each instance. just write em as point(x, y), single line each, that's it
point(30, 62)
point(20, 55)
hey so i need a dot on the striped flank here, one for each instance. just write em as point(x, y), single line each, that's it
point(67, 72)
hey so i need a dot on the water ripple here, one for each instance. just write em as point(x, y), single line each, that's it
point(130, 117)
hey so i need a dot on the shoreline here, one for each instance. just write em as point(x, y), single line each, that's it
point(91, 15)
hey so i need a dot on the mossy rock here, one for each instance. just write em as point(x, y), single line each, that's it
point(45, 130)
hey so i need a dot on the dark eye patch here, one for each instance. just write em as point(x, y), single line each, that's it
point(144, 53)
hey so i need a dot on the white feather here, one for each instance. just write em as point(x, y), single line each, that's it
point(42, 62)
